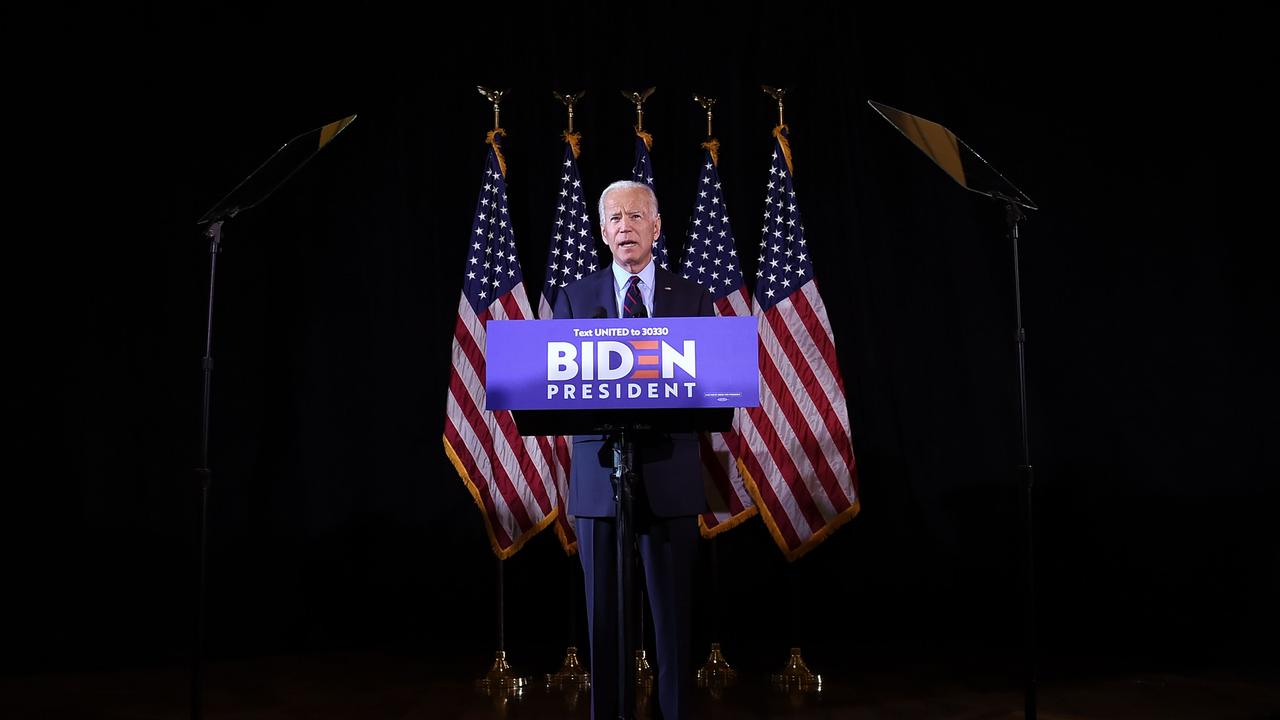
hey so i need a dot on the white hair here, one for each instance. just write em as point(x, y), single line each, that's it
point(627, 185)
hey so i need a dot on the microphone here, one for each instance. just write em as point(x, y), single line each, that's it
point(599, 314)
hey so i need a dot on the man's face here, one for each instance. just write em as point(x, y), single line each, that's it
point(631, 225)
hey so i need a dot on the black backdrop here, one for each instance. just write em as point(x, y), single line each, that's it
point(338, 523)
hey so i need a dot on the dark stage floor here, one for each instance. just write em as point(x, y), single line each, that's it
point(380, 685)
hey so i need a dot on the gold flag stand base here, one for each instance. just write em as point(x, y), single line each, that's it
point(571, 672)
point(644, 672)
point(644, 684)
point(571, 678)
point(500, 681)
point(796, 676)
point(715, 672)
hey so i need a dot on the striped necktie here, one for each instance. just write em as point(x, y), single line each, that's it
point(633, 303)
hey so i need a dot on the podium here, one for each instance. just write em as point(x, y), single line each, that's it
point(622, 379)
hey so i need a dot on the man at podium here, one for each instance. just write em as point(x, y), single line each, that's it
point(668, 495)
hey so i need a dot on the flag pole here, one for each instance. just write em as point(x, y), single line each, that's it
point(795, 677)
point(571, 676)
point(715, 674)
point(501, 682)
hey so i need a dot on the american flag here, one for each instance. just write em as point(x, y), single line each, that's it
point(571, 256)
point(797, 452)
point(711, 259)
point(642, 171)
point(509, 476)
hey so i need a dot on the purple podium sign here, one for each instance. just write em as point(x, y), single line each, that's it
point(695, 362)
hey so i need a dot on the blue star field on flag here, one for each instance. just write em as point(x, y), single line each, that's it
point(572, 254)
point(493, 267)
point(784, 259)
point(710, 257)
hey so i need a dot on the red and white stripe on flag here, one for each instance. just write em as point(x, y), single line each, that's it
point(728, 500)
point(510, 476)
point(797, 452)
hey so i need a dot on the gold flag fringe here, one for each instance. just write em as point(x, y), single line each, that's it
point(780, 133)
point(498, 550)
point(570, 546)
point(575, 142)
point(713, 146)
point(731, 523)
point(491, 138)
point(792, 555)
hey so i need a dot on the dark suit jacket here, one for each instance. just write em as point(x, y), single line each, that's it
point(670, 472)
